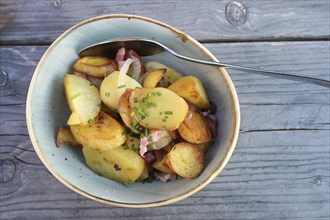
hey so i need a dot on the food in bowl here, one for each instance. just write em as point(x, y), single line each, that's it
point(137, 121)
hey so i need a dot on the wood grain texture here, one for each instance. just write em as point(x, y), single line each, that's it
point(280, 168)
point(40, 22)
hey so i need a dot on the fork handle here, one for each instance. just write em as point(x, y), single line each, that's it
point(320, 82)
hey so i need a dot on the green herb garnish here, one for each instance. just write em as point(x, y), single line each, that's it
point(122, 86)
point(168, 112)
point(128, 183)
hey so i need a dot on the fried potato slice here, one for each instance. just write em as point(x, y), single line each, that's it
point(95, 66)
point(109, 89)
point(153, 78)
point(194, 129)
point(192, 89)
point(186, 160)
point(103, 133)
point(124, 109)
point(157, 108)
point(162, 165)
point(65, 136)
point(171, 75)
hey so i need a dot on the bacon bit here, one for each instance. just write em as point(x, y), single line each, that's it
point(120, 54)
point(138, 68)
point(157, 134)
point(117, 167)
point(204, 113)
point(174, 134)
point(164, 177)
point(95, 80)
point(143, 146)
point(213, 108)
point(211, 121)
point(158, 154)
point(149, 158)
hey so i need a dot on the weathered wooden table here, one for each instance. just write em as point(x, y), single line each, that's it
point(280, 169)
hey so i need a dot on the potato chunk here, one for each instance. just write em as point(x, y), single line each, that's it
point(192, 89)
point(162, 165)
point(117, 164)
point(153, 78)
point(186, 160)
point(157, 108)
point(109, 89)
point(103, 133)
point(65, 136)
point(83, 99)
point(194, 129)
point(95, 66)
point(170, 76)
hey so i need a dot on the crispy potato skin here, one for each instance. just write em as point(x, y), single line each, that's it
point(194, 129)
point(166, 110)
point(95, 66)
point(124, 109)
point(186, 160)
point(65, 136)
point(192, 89)
point(117, 164)
point(103, 133)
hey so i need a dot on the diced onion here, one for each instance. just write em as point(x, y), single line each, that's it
point(122, 76)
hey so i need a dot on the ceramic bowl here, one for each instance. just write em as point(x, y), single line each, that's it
point(47, 110)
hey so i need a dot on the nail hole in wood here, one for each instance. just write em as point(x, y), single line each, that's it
point(57, 3)
point(3, 78)
point(236, 13)
point(7, 170)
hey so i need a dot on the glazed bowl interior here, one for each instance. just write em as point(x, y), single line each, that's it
point(47, 110)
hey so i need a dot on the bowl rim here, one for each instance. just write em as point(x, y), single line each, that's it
point(183, 36)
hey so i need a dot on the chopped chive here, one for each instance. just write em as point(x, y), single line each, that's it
point(123, 132)
point(166, 117)
point(131, 140)
point(136, 100)
point(89, 121)
point(107, 94)
point(125, 147)
point(164, 120)
point(122, 86)
point(134, 123)
point(158, 93)
point(128, 183)
point(168, 112)
point(153, 147)
point(160, 113)
point(132, 113)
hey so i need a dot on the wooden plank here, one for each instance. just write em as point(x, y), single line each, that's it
point(39, 22)
point(280, 169)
